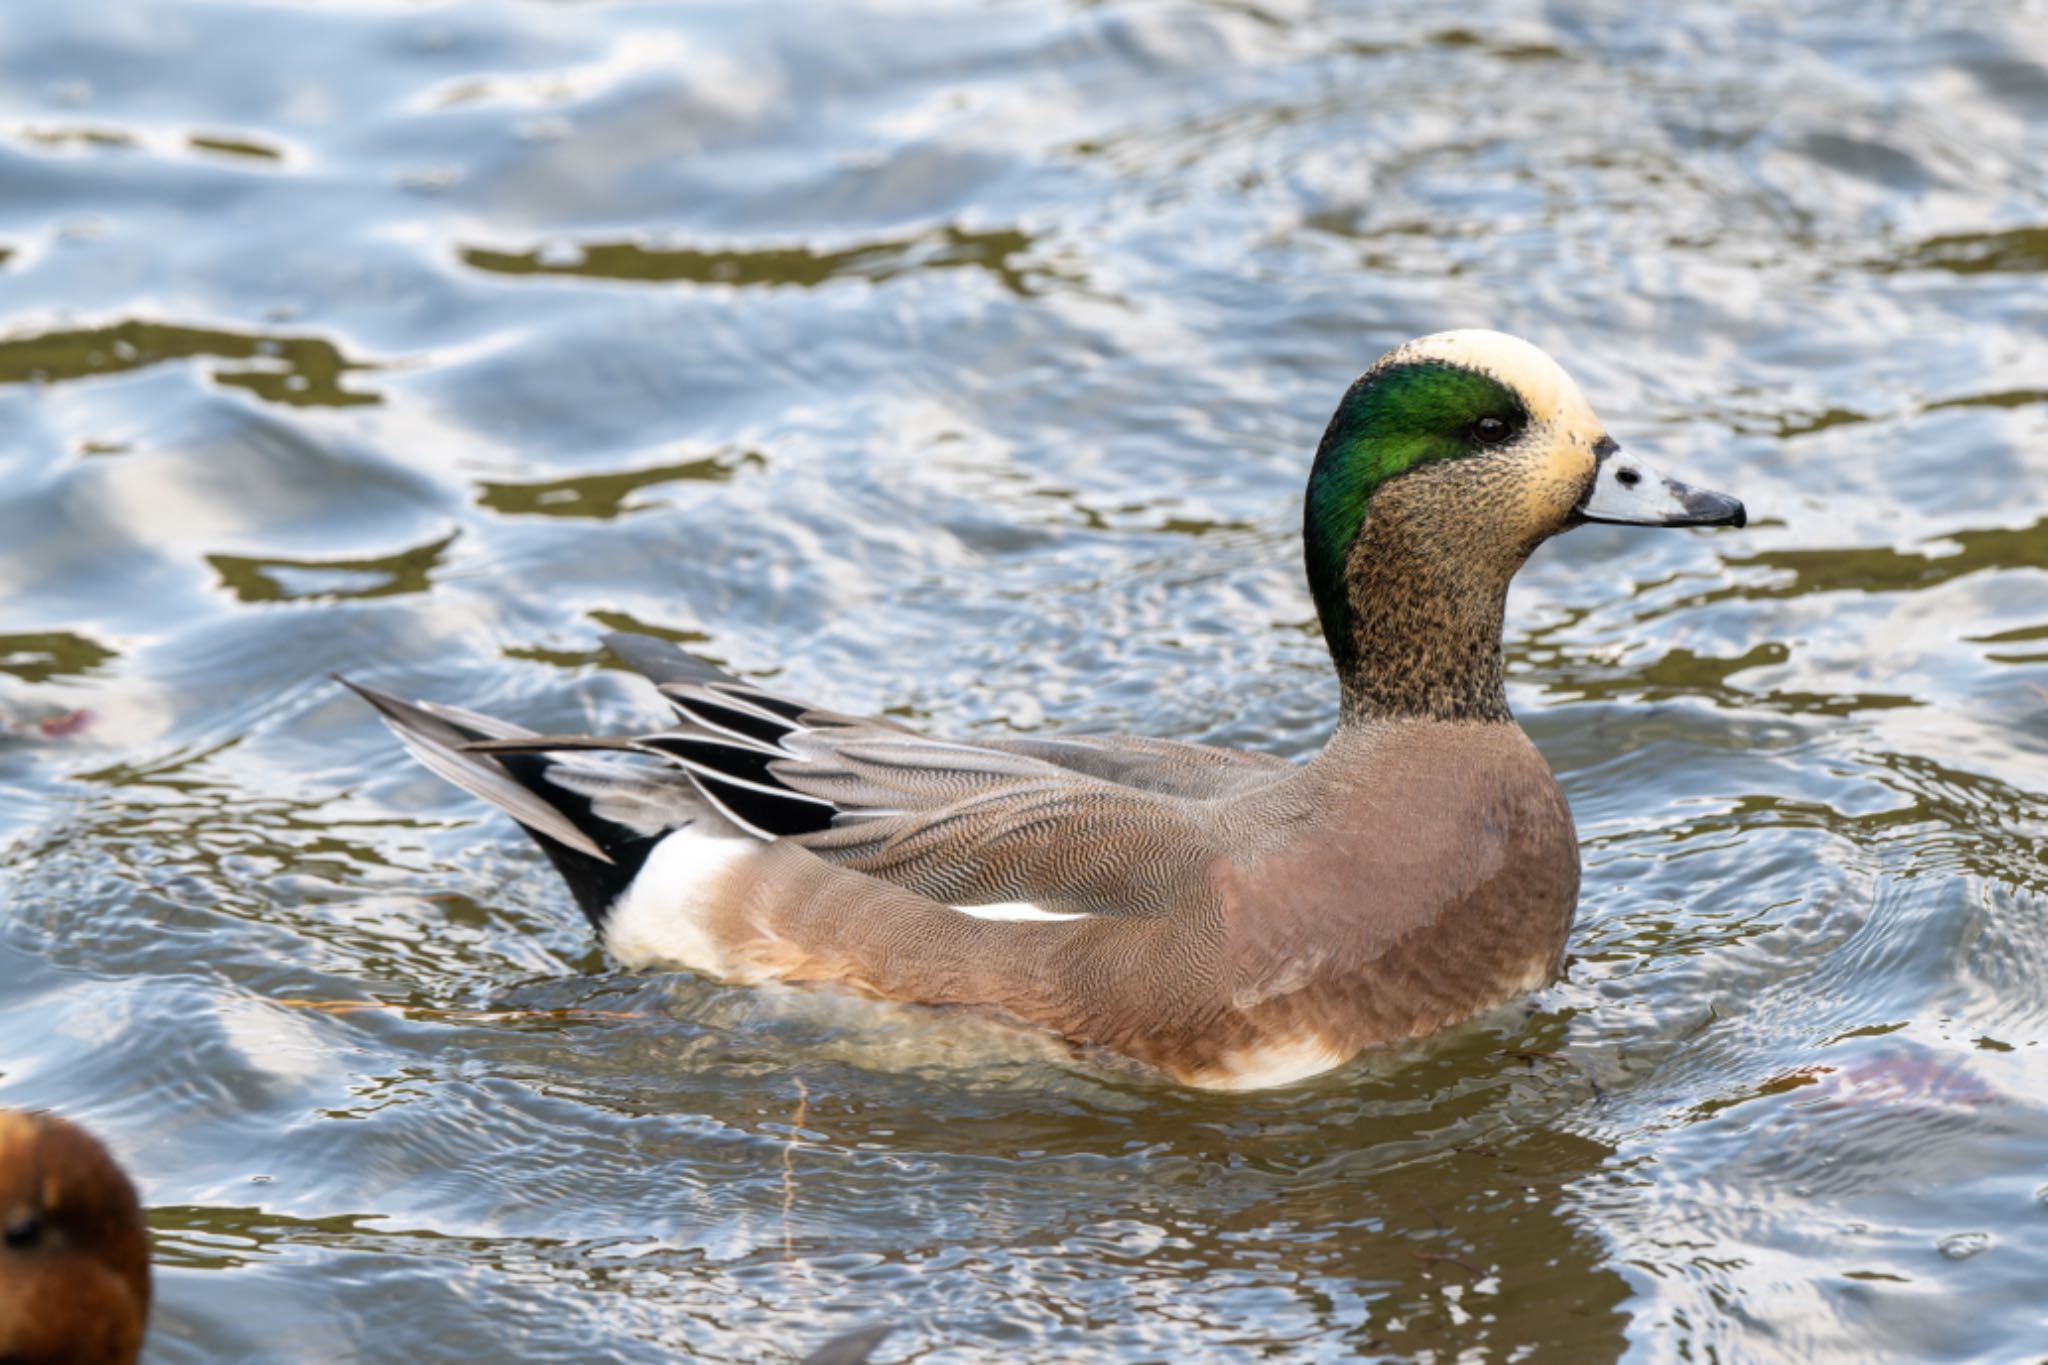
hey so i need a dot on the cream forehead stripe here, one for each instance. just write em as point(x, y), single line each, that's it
point(1551, 394)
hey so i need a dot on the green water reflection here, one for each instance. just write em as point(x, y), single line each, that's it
point(998, 252)
point(243, 147)
point(694, 640)
point(287, 579)
point(298, 371)
point(1880, 569)
point(39, 656)
point(1976, 253)
point(605, 496)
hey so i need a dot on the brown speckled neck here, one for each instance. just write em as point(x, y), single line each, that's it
point(1428, 588)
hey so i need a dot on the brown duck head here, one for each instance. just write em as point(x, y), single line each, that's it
point(74, 1255)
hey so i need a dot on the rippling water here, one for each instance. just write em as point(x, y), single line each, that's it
point(964, 361)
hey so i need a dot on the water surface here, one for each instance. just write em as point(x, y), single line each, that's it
point(963, 361)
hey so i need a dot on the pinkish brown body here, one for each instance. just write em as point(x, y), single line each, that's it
point(1229, 918)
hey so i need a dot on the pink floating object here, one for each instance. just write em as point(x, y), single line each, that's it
point(65, 725)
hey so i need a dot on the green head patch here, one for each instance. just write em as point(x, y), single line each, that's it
point(1391, 421)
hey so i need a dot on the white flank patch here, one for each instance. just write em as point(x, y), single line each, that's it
point(1017, 912)
point(1538, 976)
point(1262, 1068)
point(657, 921)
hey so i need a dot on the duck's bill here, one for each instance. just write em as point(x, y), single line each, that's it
point(1628, 492)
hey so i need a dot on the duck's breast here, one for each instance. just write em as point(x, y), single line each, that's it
point(1436, 875)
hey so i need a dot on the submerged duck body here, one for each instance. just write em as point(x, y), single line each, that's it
point(74, 1253)
point(1230, 918)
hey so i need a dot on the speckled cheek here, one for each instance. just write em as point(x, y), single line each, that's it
point(1558, 477)
point(1571, 464)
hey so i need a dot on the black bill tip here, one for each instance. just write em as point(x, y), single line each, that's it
point(1704, 507)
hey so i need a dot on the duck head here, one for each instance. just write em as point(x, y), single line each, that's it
point(1445, 465)
point(74, 1256)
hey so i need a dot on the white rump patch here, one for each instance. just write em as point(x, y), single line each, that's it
point(658, 920)
point(1017, 912)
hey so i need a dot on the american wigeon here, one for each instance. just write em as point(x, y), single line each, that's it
point(1232, 919)
point(74, 1255)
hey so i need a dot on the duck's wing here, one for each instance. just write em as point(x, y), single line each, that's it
point(963, 824)
point(1036, 837)
point(1169, 767)
point(1201, 772)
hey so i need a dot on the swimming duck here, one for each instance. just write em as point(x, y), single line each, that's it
point(1232, 919)
point(74, 1256)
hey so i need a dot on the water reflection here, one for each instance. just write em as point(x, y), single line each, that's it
point(1976, 253)
point(295, 370)
point(998, 252)
point(331, 580)
point(2016, 636)
point(39, 656)
point(1879, 569)
point(240, 147)
point(598, 656)
point(605, 496)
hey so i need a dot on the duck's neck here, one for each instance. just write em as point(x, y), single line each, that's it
point(1426, 601)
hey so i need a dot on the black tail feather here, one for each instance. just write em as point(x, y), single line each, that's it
point(597, 857)
point(596, 884)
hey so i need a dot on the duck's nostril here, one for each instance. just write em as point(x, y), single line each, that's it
point(1627, 478)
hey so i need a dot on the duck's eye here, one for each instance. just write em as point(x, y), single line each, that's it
point(1490, 431)
point(24, 1232)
